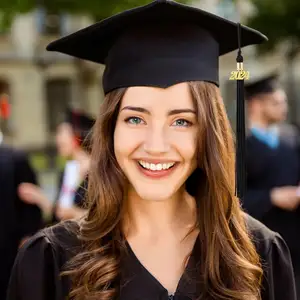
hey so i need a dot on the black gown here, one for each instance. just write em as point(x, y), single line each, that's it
point(268, 168)
point(36, 271)
point(17, 219)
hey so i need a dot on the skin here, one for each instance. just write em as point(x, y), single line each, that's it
point(158, 125)
point(65, 142)
point(268, 109)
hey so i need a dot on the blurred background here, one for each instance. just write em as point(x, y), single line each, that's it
point(36, 87)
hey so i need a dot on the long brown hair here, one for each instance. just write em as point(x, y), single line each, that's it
point(230, 265)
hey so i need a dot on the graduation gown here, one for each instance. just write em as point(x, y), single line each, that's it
point(268, 168)
point(36, 271)
point(17, 219)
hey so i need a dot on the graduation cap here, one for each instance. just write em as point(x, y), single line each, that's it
point(80, 122)
point(162, 44)
point(263, 85)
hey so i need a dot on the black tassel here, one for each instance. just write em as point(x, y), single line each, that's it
point(240, 125)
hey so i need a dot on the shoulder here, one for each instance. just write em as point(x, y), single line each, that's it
point(258, 229)
point(11, 155)
point(62, 235)
point(16, 153)
point(59, 242)
point(261, 235)
point(252, 142)
point(288, 129)
point(6, 151)
point(289, 134)
point(42, 260)
point(278, 275)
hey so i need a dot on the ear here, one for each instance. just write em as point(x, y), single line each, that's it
point(255, 104)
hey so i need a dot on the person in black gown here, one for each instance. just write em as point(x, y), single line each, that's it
point(163, 219)
point(72, 143)
point(273, 164)
point(18, 220)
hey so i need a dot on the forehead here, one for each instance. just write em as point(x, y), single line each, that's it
point(65, 127)
point(278, 96)
point(175, 96)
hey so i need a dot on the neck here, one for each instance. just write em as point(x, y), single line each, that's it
point(156, 218)
point(258, 122)
point(79, 154)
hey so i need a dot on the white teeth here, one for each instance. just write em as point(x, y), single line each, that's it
point(156, 167)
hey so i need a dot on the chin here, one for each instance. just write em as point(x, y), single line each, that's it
point(64, 154)
point(157, 188)
point(154, 192)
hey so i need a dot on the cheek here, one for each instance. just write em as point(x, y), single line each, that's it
point(186, 145)
point(275, 111)
point(68, 142)
point(125, 142)
point(61, 142)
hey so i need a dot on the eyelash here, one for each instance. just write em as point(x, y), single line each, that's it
point(188, 123)
point(127, 120)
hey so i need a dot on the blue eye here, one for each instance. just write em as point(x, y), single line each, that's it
point(182, 123)
point(134, 120)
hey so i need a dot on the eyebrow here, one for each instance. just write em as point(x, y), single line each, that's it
point(170, 113)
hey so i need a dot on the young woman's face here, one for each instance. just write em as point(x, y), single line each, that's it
point(65, 140)
point(155, 139)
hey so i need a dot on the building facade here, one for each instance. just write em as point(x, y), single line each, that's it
point(40, 85)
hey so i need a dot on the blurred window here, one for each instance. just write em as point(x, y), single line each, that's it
point(50, 23)
point(58, 97)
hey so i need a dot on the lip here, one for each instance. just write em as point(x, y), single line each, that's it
point(156, 174)
point(157, 161)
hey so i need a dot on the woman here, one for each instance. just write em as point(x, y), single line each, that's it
point(72, 136)
point(163, 219)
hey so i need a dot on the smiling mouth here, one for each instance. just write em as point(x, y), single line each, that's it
point(158, 170)
point(156, 167)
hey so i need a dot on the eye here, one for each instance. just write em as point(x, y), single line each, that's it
point(134, 120)
point(182, 123)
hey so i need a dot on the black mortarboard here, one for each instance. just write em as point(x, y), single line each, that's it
point(161, 44)
point(80, 122)
point(263, 85)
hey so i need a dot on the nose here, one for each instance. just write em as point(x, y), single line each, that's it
point(156, 141)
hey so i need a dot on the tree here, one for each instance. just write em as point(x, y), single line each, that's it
point(98, 9)
point(279, 21)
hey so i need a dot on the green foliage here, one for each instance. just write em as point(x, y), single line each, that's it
point(279, 20)
point(10, 8)
point(41, 161)
point(99, 9)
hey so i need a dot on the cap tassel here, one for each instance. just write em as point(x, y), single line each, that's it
point(240, 124)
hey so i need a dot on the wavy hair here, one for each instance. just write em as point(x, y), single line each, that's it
point(230, 265)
